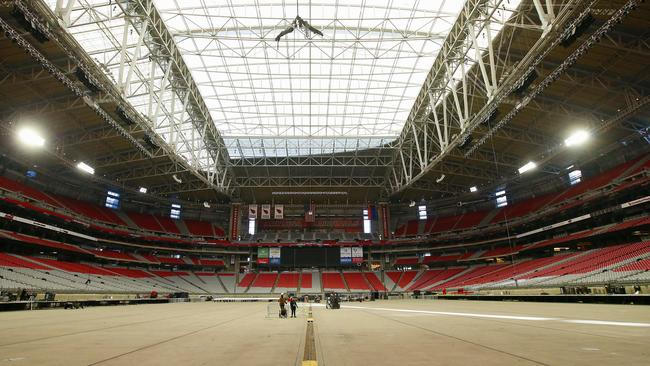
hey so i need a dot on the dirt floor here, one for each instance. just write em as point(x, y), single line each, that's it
point(399, 332)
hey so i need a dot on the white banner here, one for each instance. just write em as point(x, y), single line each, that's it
point(252, 211)
point(266, 212)
point(279, 212)
point(357, 252)
point(346, 252)
point(357, 255)
point(274, 252)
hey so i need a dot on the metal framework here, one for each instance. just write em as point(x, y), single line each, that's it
point(145, 71)
point(470, 78)
point(397, 90)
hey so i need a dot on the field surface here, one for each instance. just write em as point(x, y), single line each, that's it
point(406, 332)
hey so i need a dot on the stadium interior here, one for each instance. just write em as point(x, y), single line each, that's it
point(435, 182)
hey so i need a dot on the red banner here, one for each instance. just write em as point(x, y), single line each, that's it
point(234, 221)
point(385, 220)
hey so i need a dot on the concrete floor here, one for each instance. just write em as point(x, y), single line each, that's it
point(407, 332)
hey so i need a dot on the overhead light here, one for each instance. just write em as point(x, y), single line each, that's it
point(473, 189)
point(85, 168)
point(30, 137)
point(177, 179)
point(440, 179)
point(528, 166)
point(206, 204)
point(570, 167)
point(577, 138)
point(412, 204)
point(143, 190)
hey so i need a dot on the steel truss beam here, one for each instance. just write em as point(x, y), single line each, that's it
point(142, 14)
point(310, 181)
point(458, 96)
point(107, 86)
point(592, 40)
point(315, 161)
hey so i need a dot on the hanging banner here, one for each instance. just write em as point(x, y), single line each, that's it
point(310, 212)
point(357, 254)
point(385, 220)
point(279, 212)
point(234, 221)
point(252, 211)
point(274, 256)
point(266, 212)
point(262, 255)
point(346, 255)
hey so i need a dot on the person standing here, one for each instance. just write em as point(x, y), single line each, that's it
point(282, 301)
point(293, 304)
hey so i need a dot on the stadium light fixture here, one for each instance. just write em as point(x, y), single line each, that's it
point(85, 168)
point(473, 189)
point(577, 138)
point(143, 190)
point(528, 166)
point(30, 137)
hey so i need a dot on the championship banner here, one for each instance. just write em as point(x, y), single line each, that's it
point(234, 221)
point(274, 256)
point(357, 254)
point(252, 211)
point(266, 212)
point(262, 255)
point(279, 212)
point(346, 255)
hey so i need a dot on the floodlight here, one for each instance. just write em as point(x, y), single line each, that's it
point(143, 190)
point(473, 189)
point(30, 137)
point(85, 168)
point(528, 166)
point(206, 204)
point(577, 138)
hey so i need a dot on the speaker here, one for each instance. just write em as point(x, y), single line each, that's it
point(579, 30)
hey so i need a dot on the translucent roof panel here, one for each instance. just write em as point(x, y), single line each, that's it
point(351, 89)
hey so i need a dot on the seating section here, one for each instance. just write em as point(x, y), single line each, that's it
point(247, 280)
point(356, 281)
point(310, 282)
point(468, 277)
point(288, 281)
point(470, 220)
point(25, 190)
point(109, 254)
point(434, 276)
point(374, 281)
point(146, 222)
point(199, 228)
point(333, 281)
point(7, 260)
point(406, 278)
point(584, 266)
point(405, 261)
point(523, 208)
point(41, 242)
point(92, 211)
point(168, 225)
point(265, 280)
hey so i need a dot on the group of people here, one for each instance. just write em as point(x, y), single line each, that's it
point(293, 304)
